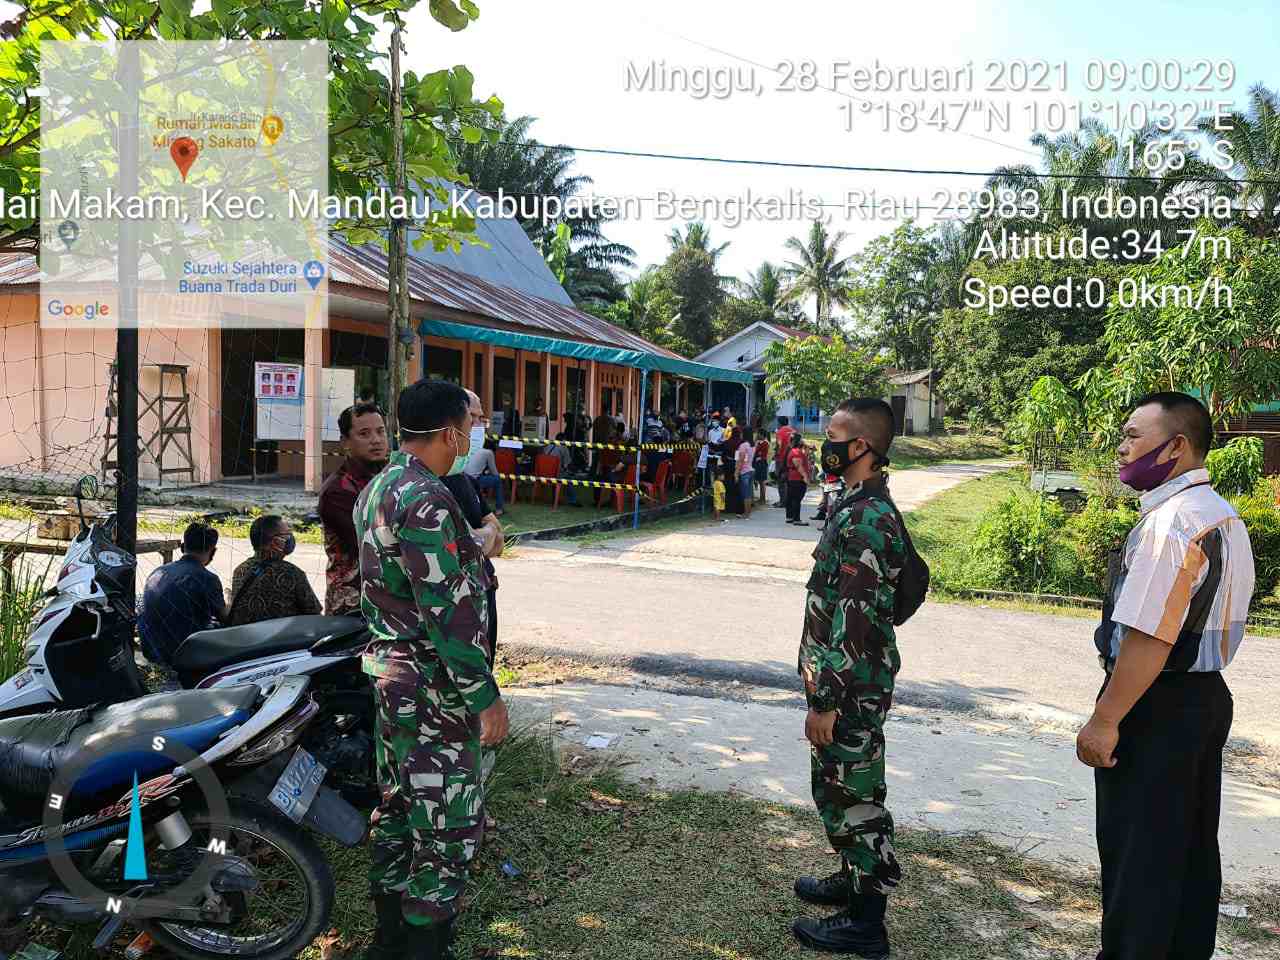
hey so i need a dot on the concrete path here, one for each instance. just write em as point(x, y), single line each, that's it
point(761, 546)
point(1023, 790)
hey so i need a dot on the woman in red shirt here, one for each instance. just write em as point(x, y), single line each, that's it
point(798, 471)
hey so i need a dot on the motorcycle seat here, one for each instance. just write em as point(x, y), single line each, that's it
point(34, 747)
point(208, 650)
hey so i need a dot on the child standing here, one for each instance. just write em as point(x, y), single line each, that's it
point(717, 495)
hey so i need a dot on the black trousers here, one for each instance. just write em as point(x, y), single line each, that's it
point(795, 496)
point(1157, 824)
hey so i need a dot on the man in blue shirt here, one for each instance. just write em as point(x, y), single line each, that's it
point(181, 597)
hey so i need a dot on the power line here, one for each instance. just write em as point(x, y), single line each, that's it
point(852, 168)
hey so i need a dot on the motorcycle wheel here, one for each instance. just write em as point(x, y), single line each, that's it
point(288, 910)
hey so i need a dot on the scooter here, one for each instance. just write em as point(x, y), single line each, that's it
point(87, 627)
point(208, 852)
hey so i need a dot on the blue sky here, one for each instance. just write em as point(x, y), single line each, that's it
point(565, 62)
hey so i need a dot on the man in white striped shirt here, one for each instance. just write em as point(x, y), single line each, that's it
point(1177, 598)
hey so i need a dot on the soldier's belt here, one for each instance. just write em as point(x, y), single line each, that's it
point(631, 447)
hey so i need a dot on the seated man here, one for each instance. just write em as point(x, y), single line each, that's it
point(267, 586)
point(181, 597)
point(568, 470)
point(483, 469)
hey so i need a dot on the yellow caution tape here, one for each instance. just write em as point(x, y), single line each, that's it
point(631, 448)
point(565, 481)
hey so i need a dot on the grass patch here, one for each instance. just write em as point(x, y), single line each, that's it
point(946, 521)
point(234, 527)
point(611, 869)
point(910, 452)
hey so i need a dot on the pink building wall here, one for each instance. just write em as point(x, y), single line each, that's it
point(53, 395)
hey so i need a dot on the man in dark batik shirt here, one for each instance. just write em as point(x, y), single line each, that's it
point(267, 586)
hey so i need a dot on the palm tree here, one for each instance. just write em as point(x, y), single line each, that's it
point(697, 236)
point(1086, 163)
point(531, 172)
point(1254, 138)
point(767, 287)
point(820, 273)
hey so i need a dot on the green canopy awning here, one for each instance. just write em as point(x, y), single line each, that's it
point(582, 351)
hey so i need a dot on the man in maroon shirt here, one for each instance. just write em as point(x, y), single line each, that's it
point(365, 434)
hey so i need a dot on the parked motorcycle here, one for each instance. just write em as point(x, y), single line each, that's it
point(87, 627)
point(207, 852)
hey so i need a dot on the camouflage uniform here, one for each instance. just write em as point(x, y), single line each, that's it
point(423, 595)
point(848, 659)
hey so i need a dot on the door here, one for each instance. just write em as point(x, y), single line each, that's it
point(899, 405)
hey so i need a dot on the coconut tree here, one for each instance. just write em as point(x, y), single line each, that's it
point(767, 287)
point(819, 272)
point(1254, 138)
point(532, 173)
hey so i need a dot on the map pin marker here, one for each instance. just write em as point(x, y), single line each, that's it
point(272, 127)
point(184, 151)
point(313, 272)
point(68, 230)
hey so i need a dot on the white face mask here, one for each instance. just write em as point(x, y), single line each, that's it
point(477, 436)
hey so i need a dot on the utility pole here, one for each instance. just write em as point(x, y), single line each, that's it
point(127, 329)
point(400, 339)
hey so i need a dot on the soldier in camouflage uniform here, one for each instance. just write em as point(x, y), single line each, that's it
point(848, 660)
point(423, 594)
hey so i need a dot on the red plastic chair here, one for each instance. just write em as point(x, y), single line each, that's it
point(506, 461)
point(657, 488)
point(682, 469)
point(546, 465)
point(628, 479)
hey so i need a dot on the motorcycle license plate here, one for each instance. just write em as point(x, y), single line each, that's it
point(297, 786)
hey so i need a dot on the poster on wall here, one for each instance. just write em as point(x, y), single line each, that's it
point(278, 381)
point(280, 414)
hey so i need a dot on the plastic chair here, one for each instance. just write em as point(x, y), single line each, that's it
point(506, 461)
point(682, 469)
point(546, 465)
point(628, 479)
point(657, 488)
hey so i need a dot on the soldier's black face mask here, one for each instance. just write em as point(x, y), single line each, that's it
point(836, 459)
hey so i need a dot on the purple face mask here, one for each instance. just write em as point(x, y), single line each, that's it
point(1144, 473)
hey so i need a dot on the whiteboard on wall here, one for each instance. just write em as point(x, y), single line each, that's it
point(282, 419)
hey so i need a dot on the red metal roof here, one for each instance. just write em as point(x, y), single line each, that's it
point(430, 283)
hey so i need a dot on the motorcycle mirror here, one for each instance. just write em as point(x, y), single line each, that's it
point(86, 489)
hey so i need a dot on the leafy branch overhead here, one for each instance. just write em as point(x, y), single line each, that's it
point(440, 105)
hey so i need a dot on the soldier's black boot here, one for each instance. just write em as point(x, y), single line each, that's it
point(858, 930)
point(430, 943)
point(390, 938)
point(830, 891)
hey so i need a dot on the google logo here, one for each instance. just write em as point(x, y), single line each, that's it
point(86, 310)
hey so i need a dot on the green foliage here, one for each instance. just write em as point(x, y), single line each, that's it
point(819, 272)
point(1093, 533)
point(1223, 351)
point(989, 355)
point(1097, 470)
point(894, 291)
point(541, 176)
point(821, 373)
point(689, 280)
point(1261, 517)
point(18, 608)
point(1048, 416)
point(1018, 546)
point(738, 313)
point(1236, 467)
point(438, 105)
